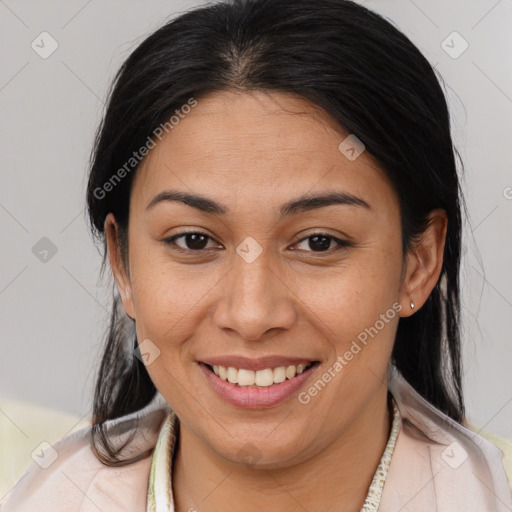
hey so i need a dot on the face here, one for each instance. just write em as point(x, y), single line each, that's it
point(264, 285)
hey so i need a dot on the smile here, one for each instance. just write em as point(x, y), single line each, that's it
point(259, 388)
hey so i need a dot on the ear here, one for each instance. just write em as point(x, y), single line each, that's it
point(424, 262)
point(119, 271)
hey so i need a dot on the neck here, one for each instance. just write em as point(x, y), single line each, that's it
point(341, 474)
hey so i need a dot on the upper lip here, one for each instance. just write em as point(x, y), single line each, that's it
point(252, 363)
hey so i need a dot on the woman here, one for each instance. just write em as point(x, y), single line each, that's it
point(276, 189)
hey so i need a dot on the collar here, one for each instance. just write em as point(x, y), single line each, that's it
point(160, 497)
point(440, 465)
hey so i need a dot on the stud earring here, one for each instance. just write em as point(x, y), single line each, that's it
point(412, 304)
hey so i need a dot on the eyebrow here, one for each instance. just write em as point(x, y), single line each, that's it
point(302, 204)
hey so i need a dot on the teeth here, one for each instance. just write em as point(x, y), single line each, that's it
point(232, 375)
point(245, 377)
point(279, 374)
point(264, 377)
point(261, 378)
point(291, 372)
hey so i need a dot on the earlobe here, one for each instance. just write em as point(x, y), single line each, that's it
point(424, 264)
point(119, 271)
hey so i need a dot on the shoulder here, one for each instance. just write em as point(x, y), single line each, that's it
point(68, 477)
point(505, 445)
point(439, 464)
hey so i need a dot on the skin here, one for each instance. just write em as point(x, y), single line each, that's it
point(252, 153)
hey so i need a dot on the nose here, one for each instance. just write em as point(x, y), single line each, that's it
point(255, 299)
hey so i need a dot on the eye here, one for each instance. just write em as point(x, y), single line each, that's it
point(193, 240)
point(321, 242)
point(197, 241)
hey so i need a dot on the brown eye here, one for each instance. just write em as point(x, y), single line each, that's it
point(321, 242)
point(193, 241)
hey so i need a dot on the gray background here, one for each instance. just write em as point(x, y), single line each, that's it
point(53, 313)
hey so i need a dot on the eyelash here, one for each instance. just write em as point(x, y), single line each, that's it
point(342, 244)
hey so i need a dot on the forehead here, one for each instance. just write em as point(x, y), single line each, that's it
point(258, 145)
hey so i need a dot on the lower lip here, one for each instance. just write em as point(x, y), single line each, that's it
point(256, 398)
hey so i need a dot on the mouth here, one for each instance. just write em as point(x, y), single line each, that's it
point(261, 388)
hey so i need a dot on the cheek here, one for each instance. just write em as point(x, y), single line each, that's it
point(357, 310)
point(163, 290)
point(355, 295)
